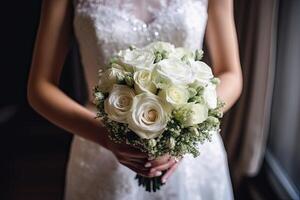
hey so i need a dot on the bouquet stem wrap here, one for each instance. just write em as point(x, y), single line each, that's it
point(150, 184)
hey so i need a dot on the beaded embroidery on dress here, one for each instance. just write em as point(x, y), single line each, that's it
point(102, 28)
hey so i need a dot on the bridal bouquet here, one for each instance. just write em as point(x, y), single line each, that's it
point(159, 99)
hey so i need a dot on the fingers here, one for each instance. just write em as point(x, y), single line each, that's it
point(164, 167)
point(138, 168)
point(154, 174)
point(132, 152)
point(158, 161)
point(136, 160)
point(126, 150)
point(169, 172)
point(138, 171)
point(140, 161)
point(130, 160)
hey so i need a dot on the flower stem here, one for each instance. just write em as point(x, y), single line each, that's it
point(150, 184)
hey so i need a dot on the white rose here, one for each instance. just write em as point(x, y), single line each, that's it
point(160, 46)
point(202, 71)
point(108, 78)
point(175, 95)
point(191, 114)
point(136, 59)
point(143, 82)
point(172, 72)
point(148, 116)
point(210, 96)
point(118, 103)
point(180, 52)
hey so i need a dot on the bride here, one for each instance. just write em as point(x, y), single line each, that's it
point(98, 168)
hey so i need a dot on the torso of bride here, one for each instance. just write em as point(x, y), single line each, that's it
point(103, 27)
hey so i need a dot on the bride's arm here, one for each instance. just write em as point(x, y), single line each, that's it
point(51, 47)
point(46, 98)
point(223, 47)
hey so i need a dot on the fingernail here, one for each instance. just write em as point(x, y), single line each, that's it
point(163, 180)
point(158, 173)
point(152, 170)
point(148, 164)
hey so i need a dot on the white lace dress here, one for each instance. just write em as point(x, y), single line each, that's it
point(102, 28)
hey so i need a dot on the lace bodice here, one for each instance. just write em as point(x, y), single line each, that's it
point(103, 27)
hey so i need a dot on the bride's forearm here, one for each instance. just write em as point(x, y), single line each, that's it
point(48, 100)
point(222, 43)
point(230, 88)
point(51, 47)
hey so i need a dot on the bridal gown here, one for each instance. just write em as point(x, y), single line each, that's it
point(103, 27)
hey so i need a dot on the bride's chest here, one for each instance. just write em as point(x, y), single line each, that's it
point(181, 22)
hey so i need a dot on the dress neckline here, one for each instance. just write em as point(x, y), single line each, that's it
point(154, 12)
point(156, 16)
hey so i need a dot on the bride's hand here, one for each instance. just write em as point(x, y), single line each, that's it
point(164, 163)
point(131, 157)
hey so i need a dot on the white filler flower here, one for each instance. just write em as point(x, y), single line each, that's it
point(148, 116)
point(118, 103)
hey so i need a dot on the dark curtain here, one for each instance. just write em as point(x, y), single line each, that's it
point(34, 152)
point(245, 126)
